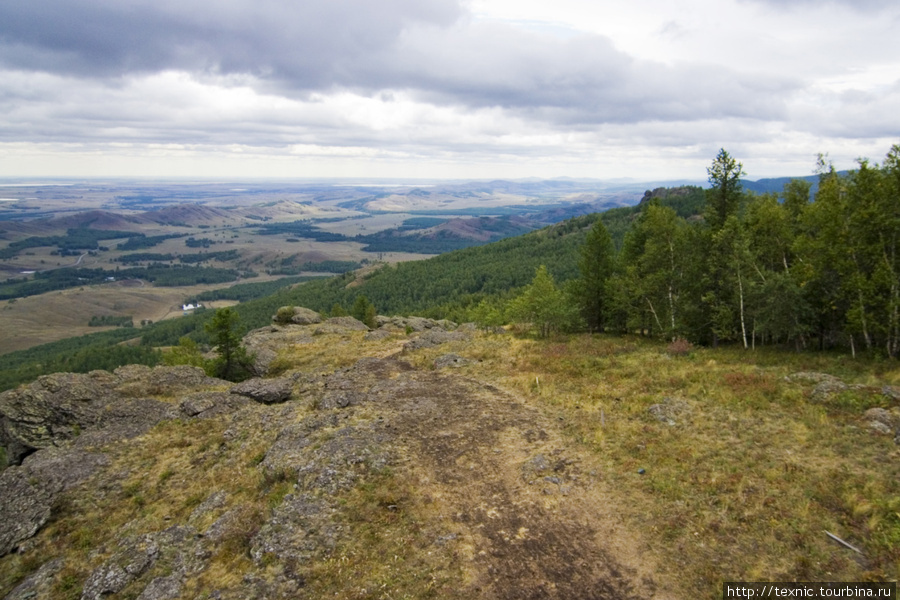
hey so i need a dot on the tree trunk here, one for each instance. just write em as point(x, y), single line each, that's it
point(743, 325)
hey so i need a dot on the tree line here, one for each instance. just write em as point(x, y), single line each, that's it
point(811, 272)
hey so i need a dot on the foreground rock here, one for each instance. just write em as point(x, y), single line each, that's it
point(296, 315)
point(28, 493)
point(434, 337)
point(60, 407)
point(265, 391)
point(470, 476)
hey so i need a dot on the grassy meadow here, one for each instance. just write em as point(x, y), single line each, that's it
point(744, 484)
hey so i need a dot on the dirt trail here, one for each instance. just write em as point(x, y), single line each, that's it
point(534, 524)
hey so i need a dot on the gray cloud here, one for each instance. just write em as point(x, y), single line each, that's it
point(307, 41)
point(860, 5)
point(427, 48)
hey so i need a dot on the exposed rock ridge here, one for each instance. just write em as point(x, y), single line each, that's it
point(508, 501)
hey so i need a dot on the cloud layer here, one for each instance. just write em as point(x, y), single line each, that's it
point(439, 83)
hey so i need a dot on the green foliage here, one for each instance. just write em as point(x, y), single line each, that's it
point(243, 292)
point(187, 352)
point(138, 257)
point(284, 315)
point(233, 362)
point(74, 241)
point(596, 265)
point(111, 321)
point(724, 197)
point(303, 229)
point(222, 256)
point(420, 223)
point(338, 311)
point(159, 274)
point(364, 311)
point(140, 242)
point(488, 313)
point(649, 293)
point(543, 306)
point(193, 242)
point(325, 266)
point(102, 350)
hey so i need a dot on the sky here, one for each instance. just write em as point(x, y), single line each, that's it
point(444, 89)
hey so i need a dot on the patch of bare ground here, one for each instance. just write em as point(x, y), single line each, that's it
point(528, 512)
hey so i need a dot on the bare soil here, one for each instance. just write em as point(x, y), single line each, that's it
point(531, 514)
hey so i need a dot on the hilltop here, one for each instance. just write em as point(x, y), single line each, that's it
point(421, 459)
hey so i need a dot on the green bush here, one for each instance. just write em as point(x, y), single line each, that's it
point(284, 315)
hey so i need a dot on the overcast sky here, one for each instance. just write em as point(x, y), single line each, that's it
point(648, 89)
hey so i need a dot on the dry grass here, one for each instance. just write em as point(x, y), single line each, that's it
point(742, 487)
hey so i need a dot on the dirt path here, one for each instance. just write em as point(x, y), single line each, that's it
point(532, 518)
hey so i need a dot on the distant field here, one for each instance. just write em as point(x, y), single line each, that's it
point(28, 322)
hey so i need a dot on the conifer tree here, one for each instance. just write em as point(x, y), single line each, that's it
point(596, 264)
point(233, 362)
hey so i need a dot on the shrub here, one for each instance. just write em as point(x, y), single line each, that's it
point(680, 347)
point(284, 315)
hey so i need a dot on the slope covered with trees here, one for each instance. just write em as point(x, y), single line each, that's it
point(717, 266)
point(816, 272)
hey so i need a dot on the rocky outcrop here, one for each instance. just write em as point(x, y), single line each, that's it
point(29, 492)
point(450, 361)
point(810, 377)
point(138, 554)
point(883, 421)
point(206, 405)
point(416, 324)
point(264, 343)
point(434, 337)
point(64, 406)
point(296, 315)
point(39, 584)
point(340, 325)
point(265, 391)
point(53, 409)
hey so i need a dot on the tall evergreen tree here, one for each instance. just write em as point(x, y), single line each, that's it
point(722, 295)
point(233, 362)
point(596, 264)
point(724, 197)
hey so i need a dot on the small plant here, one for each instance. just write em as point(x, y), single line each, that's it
point(680, 347)
point(165, 476)
point(284, 315)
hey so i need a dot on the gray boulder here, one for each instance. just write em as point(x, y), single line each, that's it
point(29, 492)
point(265, 391)
point(891, 392)
point(341, 325)
point(378, 335)
point(204, 405)
point(24, 508)
point(810, 377)
point(827, 388)
point(136, 556)
point(53, 409)
point(450, 361)
point(434, 337)
point(139, 380)
point(162, 588)
point(39, 584)
point(299, 316)
point(880, 420)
